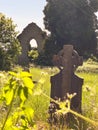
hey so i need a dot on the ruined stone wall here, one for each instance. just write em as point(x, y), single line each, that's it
point(32, 31)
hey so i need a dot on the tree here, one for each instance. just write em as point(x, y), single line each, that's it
point(9, 45)
point(71, 22)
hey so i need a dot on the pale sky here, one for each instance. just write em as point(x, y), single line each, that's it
point(24, 12)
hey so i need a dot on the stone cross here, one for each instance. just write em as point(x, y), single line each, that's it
point(67, 60)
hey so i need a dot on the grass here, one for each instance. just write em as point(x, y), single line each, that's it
point(89, 67)
point(40, 104)
point(88, 72)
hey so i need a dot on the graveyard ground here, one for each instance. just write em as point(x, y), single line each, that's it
point(39, 102)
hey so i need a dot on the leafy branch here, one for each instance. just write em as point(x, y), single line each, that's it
point(18, 85)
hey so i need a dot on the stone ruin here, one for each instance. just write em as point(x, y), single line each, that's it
point(67, 60)
point(32, 31)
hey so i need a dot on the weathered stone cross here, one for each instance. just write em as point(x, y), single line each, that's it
point(67, 60)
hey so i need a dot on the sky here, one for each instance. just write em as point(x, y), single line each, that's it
point(24, 12)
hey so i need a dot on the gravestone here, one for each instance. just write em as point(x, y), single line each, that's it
point(67, 60)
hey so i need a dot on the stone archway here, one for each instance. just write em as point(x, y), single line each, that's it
point(32, 31)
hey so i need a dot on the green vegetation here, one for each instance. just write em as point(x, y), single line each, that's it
point(17, 88)
point(9, 45)
point(89, 72)
point(28, 109)
point(62, 19)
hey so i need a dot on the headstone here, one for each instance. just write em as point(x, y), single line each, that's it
point(67, 60)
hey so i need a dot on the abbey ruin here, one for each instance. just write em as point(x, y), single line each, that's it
point(32, 31)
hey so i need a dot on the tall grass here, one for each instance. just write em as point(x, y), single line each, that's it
point(89, 72)
point(89, 92)
point(40, 104)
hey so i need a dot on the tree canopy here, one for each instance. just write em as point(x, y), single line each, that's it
point(71, 22)
point(9, 45)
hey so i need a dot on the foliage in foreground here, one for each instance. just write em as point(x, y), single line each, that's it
point(17, 88)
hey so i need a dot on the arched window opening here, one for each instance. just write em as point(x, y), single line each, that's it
point(33, 44)
point(33, 52)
